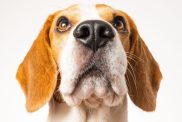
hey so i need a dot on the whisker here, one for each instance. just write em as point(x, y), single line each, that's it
point(127, 80)
point(131, 75)
point(135, 56)
point(133, 72)
point(134, 78)
point(132, 59)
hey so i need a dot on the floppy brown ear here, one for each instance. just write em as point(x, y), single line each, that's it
point(143, 73)
point(37, 73)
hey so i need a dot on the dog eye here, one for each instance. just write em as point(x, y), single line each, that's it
point(63, 24)
point(119, 24)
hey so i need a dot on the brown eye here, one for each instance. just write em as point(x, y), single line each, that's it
point(119, 24)
point(62, 24)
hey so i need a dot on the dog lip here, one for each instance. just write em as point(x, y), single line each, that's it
point(87, 70)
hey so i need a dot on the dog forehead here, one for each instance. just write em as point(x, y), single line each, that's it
point(96, 12)
point(88, 12)
point(91, 11)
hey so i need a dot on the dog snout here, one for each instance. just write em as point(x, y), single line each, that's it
point(94, 34)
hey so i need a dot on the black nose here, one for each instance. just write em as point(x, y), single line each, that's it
point(94, 34)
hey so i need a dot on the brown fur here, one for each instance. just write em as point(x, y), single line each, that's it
point(37, 74)
point(144, 83)
point(143, 74)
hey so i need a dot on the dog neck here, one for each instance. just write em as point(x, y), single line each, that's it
point(61, 112)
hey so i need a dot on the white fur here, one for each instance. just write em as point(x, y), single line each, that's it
point(67, 64)
point(72, 60)
point(61, 112)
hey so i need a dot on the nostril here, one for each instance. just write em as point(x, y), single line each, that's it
point(85, 32)
point(82, 32)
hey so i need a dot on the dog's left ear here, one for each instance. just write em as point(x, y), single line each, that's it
point(143, 73)
point(37, 74)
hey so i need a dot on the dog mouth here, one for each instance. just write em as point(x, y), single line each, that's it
point(99, 74)
point(91, 69)
point(90, 78)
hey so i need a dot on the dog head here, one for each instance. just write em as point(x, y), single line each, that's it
point(89, 54)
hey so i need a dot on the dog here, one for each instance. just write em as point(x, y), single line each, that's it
point(84, 62)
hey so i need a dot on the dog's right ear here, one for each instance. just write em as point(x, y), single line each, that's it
point(37, 74)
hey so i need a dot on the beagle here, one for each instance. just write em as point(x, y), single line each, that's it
point(84, 62)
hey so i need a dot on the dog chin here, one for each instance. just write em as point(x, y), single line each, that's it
point(93, 89)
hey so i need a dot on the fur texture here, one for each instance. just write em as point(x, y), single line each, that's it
point(55, 60)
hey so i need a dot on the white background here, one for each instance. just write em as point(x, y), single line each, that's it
point(159, 23)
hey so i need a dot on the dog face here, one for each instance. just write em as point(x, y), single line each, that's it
point(91, 57)
point(99, 56)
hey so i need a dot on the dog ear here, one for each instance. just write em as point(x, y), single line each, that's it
point(37, 74)
point(143, 73)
